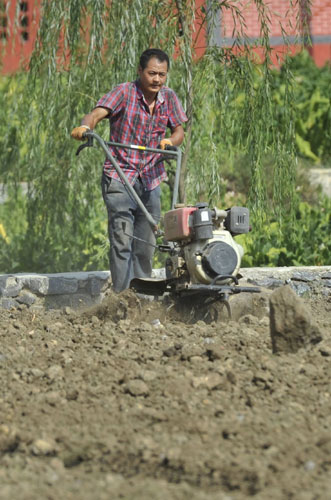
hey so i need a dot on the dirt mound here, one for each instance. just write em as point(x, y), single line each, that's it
point(135, 307)
point(140, 399)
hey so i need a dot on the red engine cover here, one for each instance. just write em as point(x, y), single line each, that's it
point(177, 224)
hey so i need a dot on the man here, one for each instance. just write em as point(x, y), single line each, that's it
point(139, 113)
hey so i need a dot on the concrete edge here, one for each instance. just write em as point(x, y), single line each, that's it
point(82, 289)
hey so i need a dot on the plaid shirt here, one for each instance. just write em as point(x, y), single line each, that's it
point(131, 123)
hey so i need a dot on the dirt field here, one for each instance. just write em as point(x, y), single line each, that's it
point(137, 400)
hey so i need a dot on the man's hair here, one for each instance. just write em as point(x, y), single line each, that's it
point(149, 54)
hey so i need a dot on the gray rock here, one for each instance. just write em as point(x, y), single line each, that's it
point(96, 285)
point(27, 298)
point(9, 287)
point(304, 276)
point(3, 283)
point(270, 283)
point(291, 327)
point(59, 285)
point(300, 289)
point(8, 303)
point(35, 283)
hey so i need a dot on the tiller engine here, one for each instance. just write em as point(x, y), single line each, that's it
point(204, 259)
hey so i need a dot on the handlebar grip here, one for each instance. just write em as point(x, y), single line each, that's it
point(88, 144)
point(170, 148)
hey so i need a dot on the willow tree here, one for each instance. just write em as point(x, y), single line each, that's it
point(83, 48)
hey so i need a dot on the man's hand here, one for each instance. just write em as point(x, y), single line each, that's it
point(165, 142)
point(78, 132)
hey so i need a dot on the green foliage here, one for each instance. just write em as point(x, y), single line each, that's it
point(311, 88)
point(307, 242)
point(13, 227)
point(238, 122)
point(63, 222)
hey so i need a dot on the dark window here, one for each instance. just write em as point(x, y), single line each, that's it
point(24, 6)
point(24, 21)
point(3, 21)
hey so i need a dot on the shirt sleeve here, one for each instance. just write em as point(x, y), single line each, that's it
point(112, 100)
point(177, 114)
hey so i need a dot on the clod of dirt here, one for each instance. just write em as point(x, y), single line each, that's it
point(54, 372)
point(137, 388)
point(291, 327)
point(42, 447)
point(117, 307)
point(9, 439)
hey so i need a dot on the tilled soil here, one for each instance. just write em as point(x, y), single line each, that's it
point(140, 400)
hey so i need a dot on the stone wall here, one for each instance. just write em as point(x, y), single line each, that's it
point(75, 290)
point(53, 291)
point(305, 281)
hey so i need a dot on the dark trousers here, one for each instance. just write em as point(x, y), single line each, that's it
point(129, 258)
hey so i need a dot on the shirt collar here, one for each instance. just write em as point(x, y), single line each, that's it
point(160, 94)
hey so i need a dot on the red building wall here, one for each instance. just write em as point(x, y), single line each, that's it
point(19, 23)
point(320, 25)
point(18, 29)
point(316, 24)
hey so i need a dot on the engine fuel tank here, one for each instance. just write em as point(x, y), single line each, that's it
point(178, 224)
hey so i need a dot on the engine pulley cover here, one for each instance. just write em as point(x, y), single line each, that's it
point(219, 258)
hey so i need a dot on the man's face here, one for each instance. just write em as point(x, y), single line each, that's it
point(154, 76)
